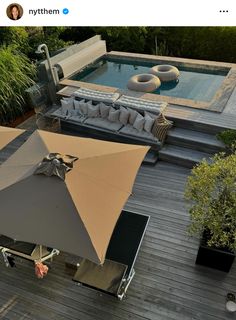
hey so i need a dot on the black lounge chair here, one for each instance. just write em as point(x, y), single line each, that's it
point(115, 275)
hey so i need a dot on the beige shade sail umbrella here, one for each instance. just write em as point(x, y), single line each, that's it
point(7, 135)
point(76, 214)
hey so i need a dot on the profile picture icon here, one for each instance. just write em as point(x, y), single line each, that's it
point(14, 11)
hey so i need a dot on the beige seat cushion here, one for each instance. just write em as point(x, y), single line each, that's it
point(129, 130)
point(104, 123)
point(96, 95)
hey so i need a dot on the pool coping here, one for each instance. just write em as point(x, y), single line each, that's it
point(217, 104)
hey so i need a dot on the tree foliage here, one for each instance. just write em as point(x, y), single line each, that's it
point(17, 36)
point(27, 39)
point(207, 43)
point(212, 191)
point(51, 36)
point(130, 39)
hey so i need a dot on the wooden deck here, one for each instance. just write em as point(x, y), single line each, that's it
point(167, 284)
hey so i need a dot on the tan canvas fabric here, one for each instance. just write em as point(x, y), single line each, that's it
point(77, 215)
point(7, 135)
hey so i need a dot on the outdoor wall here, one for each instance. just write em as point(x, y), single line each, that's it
point(68, 61)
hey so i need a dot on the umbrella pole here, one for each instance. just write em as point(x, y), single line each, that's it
point(40, 252)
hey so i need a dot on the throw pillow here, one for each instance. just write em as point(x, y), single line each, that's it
point(77, 105)
point(161, 127)
point(113, 115)
point(68, 99)
point(67, 104)
point(161, 118)
point(139, 122)
point(148, 124)
point(151, 115)
point(132, 115)
point(104, 110)
point(93, 111)
point(124, 116)
point(84, 108)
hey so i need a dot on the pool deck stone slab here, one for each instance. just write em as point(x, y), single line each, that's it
point(180, 62)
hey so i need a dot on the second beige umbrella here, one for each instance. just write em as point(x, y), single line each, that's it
point(7, 135)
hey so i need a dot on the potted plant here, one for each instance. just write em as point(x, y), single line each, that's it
point(212, 191)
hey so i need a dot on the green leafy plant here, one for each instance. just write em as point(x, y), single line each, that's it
point(228, 137)
point(212, 191)
point(16, 74)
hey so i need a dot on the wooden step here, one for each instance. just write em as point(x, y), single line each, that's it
point(200, 120)
point(150, 158)
point(195, 140)
point(182, 156)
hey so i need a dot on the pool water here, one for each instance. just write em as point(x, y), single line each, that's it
point(200, 85)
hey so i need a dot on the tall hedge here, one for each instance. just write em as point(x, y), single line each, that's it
point(208, 43)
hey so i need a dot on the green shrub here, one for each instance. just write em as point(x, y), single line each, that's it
point(17, 36)
point(212, 191)
point(16, 74)
point(228, 137)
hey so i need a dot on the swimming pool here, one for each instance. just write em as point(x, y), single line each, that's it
point(195, 84)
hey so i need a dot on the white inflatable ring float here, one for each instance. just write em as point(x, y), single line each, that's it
point(165, 72)
point(144, 82)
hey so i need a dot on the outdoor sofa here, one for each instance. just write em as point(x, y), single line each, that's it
point(113, 117)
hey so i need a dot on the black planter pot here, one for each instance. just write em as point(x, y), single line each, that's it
point(217, 258)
